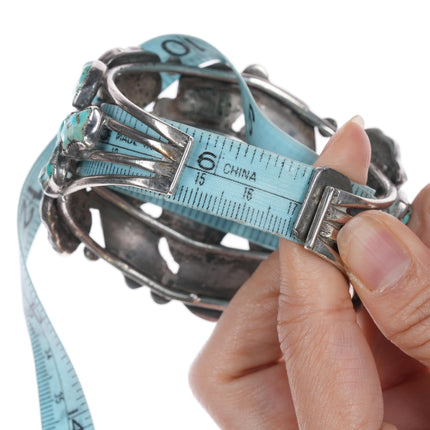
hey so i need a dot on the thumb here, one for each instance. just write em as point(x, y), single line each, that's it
point(389, 268)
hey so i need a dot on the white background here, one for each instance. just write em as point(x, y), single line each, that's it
point(132, 356)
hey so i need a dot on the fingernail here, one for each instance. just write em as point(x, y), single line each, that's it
point(357, 119)
point(372, 253)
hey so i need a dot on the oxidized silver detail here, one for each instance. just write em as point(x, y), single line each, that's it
point(166, 170)
point(209, 273)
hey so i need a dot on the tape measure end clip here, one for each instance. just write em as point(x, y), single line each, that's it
point(330, 203)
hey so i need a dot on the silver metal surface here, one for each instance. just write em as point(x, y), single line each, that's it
point(252, 80)
point(329, 204)
point(166, 170)
point(135, 251)
point(322, 178)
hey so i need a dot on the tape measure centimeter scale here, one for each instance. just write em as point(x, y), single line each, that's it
point(226, 184)
point(245, 188)
point(61, 398)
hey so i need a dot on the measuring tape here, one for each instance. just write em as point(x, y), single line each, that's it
point(226, 184)
point(62, 401)
point(253, 188)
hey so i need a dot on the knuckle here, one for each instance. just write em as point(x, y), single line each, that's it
point(195, 378)
point(307, 325)
point(419, 222)
point(200, 377)
point(412, 330)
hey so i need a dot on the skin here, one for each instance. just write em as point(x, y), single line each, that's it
point(290, 352)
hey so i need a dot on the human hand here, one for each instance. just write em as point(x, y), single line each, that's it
point(290, 352)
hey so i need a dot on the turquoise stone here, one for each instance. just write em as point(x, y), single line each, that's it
point(83, 77)
point(46, 172)
point(407, 217)
point(73, 128)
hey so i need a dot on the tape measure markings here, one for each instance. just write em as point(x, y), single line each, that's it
point(215, 174)
point(61, 398)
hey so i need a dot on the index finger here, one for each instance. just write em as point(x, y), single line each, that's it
point(333, 378)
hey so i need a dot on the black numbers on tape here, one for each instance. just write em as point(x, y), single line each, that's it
point(27, 208)
point(178, 48)
point(207, 161)
point(48, 353)
point(175, 48)
point(247, 193)
point(200, 178)
point(27, 213)
point(76, 425)
point(35, 194)
point(251, 118)
point(58, 398)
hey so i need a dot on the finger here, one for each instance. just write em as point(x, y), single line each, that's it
point(389, 268)
point(407, 404)
point(348, 151)
point(333, 378)
point(246, 340)
point(238, 377)
point(387, 426)
point(243, 332)
point(394, 366)
point(420, 218)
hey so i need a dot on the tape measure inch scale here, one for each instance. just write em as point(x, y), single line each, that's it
point(254, 189)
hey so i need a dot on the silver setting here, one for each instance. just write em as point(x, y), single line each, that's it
point(88, 86)
point(166, 170)
point(128, 270)
point(253, 76)
point(142, 233)
point(198, 249)
point(209, 273)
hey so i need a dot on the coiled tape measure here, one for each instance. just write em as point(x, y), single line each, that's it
point(215, 160)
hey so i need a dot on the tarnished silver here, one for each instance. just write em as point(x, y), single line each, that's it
point(166, 169)
point(254, 81)
point(208, 273)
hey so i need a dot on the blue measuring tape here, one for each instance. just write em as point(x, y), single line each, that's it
point(253, 188)
point(62, 401)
